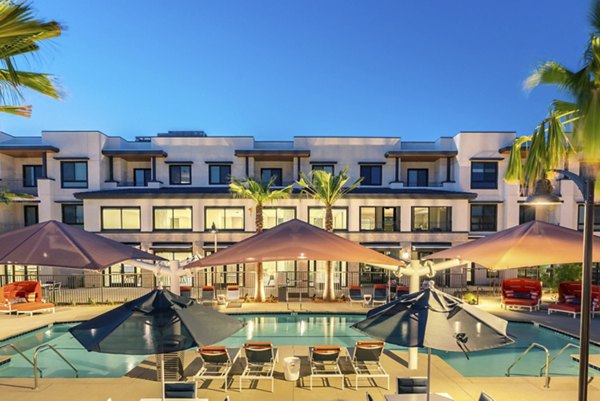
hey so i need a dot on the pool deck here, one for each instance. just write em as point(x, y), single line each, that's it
point(444, 377)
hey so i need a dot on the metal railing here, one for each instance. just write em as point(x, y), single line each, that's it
point(546, 365)
point(35, 362)
point(559, 353)
point(18, 351)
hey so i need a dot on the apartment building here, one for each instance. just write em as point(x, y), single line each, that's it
point(169, 193)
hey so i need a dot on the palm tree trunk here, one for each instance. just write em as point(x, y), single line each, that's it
point(329, 291)
point(259, 295)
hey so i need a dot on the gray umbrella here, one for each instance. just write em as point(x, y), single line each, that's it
point(433, 319)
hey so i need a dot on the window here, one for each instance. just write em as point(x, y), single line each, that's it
point(172, 218)
point(13, 273)
point(376, 275)
point(376, 218)
point(318, 273)
point(484, 217)
point(371, 175)
point(580, 217)
point(120, 218)
point(417, 177)
point(484, 175)
point(273, 216)
point(30, 215)
point(74, 174)
point(180, 174)
point(122, 275)
point(72, 215)
point(219, 174)
point(141, 176)
point(224, 218)
point(267, 173)
point(222, 276)
point(174, 254)
point(432, 219)
point(31, 173)
point(329, 168)
point(279, 273)
point(316, 217)
point(526, 213)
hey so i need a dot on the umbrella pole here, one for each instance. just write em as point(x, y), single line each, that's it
point(428, 372)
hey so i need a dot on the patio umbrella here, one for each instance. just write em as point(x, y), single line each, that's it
point(56, 244)
point(433, 319)
point(296, 240)
point(156, 323)
point(531, 244)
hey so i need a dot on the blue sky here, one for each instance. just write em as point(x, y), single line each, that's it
point(280, 68)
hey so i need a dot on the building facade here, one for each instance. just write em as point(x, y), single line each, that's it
point(169, 194)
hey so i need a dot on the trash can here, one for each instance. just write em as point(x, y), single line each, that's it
point(282, 293)
point(291, 368)
point(185, 291)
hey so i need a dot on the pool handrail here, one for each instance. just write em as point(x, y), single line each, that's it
point(547, 364)
point(563, 349)
point(35, 359)
point(18, 351)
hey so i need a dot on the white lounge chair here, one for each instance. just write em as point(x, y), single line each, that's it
point(260, 358)
point(216, 364)
point(324, 362)
point(366, 361)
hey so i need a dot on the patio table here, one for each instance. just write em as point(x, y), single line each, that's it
point(418, 397)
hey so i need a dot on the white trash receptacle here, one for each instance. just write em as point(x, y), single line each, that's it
point(291, 368)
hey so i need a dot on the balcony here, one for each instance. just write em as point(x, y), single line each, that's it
point(16, 186)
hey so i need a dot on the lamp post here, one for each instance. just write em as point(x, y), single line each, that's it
point(585, 184)
point(214, 231)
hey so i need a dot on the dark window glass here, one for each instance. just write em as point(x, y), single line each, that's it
point(484, 217)
point(484, 175)
point(31, 173)
point(432, 219)
point(371, 175)
point(581, 216)
point(219, 174)
point(74, 174)
point(267, 173)
point(329, 168)
point(526, 213)
point(141, 176)
point(417, 177)
point(72, 215)
point(30, 214)
point(180, 174)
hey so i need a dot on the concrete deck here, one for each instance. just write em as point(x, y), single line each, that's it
point(444, 377)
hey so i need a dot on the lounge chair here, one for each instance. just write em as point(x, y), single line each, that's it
point(521, 293)
point(260, 358)
point(569, 299)
point(324, 362)
point(355, 294)
point(233, 293)
point(178, 391)
point(379, 294)
point(366, 361)
point(411, 385)
point(208, 294)
point(23, 297)
point(216, 364)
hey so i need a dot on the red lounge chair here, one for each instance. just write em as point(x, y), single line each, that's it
point(569, 299)
point(23, 297)
point(521, 293)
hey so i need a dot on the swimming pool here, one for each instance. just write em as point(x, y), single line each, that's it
point(286, 329)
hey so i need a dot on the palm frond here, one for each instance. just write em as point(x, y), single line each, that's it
point(587, 130)
point(536, 162)
point(558, 145)
point(39, 82)
point(514, 170)
point(594, 17)
point(550, 73)
point(258, 191)
point(326, 187)
point(22, 111)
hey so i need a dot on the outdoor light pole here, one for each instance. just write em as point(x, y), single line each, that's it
point(586, 186)
point(213, 229)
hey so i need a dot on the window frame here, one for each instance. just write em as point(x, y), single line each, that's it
point(279, 181)
point(37, 214)
point(294, 208)
point(581, 218)
point(481, 224)
point(146, 181)
point(319, 166)
point(478, 184)
point(207, 228)
point(35, 176)
point(333, 208)
point(179, 166)
point(62, 209)
point(521, 213)
point(121, 208)
point(154, 208)
point(417, 170)
point(364, 177)
point(397, 216)
point(64, 163)
point(429, 230)
point(219, 165)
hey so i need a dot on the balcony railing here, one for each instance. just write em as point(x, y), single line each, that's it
point(16, 186)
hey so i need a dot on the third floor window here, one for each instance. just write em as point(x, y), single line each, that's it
point(484, 175)
point(31, 173)
point(180, 174)
point(377, 218)
point(267, 173)
point(371, 174)
point(328, 168)
point(219, 174)
point(417, 177)
point(141, 176)
point(74, 174)
point(432, 219)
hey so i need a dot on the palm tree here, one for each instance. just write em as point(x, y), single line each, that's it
point(328, 189)
point(261, 193)
point(20, 36)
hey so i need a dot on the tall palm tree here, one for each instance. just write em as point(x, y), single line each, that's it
point(328, 189)
point(20, 36)
point(261, 192)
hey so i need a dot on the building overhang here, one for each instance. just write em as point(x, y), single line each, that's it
point(135, 154)
point(26, 150)
point(421, 155)
point(272, 154)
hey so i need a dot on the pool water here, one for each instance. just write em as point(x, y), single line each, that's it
point(286, 329)
point(89, 364)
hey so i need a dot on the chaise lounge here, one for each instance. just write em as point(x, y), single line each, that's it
point(521, 293)
point(23, 297)
point(569, 299)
